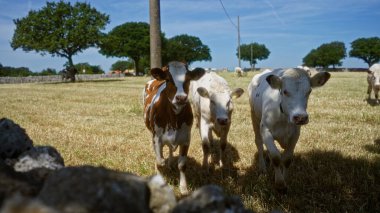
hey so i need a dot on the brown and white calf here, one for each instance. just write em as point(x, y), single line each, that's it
point(211, 100)
point(167, 113)
point(373, 80)
point(278, 101)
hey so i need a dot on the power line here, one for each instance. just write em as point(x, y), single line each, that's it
point(225, 11)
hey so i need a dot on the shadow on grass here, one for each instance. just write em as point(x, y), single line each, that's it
point(318, 181)
point(372, 102)
point(322, 182)
point(197, 176)
point(375, 147)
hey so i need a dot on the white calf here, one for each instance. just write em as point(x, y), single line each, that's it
point(239, 72)
point(211, 100)
point(373, 80)
point(278, 101)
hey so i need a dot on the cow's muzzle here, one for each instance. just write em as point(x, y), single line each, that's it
point(300, 119)
point(222, 121)
point(181, 99)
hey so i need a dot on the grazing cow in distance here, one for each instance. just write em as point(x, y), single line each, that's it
point(278, 101)
point(211, 100)
point(373, 80)
point(168, 115)
point(239, 72)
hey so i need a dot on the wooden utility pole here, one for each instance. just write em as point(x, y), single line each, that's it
point(155, 34)
point(239, 40)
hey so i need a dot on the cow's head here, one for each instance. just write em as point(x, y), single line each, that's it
point(295, 87)
point(221, 105)
point(177, 77)
point(374, 75)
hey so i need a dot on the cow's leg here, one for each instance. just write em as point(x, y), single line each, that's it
point(377, 95)
point(223, 144)
point(259, 143)
point(171, 158)
point(287, 156)
point(369, 90)
point(183, 150)
point(206, 134)
point(157, 146)
point(275, 157)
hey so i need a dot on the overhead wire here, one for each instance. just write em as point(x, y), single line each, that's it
point(228, 16)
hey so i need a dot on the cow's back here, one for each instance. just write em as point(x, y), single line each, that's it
point(152, 95)
point(260, 93)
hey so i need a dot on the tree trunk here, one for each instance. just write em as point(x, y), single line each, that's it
point(71, 69)
point(137, 69)
point(155, 34)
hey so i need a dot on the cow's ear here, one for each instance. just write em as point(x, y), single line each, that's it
point(274, 81)
point(196, 73)
point(158, 74)
point(203, 92)
point(319, 79)
point(236, 93)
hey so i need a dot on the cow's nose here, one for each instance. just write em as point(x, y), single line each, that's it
point(301, 119)
point(222, 121)
point(181, 99)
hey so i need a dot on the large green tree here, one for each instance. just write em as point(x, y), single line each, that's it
point(122, 65)
point(330, 54)
point(130, 40)
point(367, 49)
point(185, 48)
point(60, 29)
point(253, 53)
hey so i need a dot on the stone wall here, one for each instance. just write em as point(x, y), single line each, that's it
point(55, 78)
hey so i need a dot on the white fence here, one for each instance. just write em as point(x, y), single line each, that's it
point(55, 78)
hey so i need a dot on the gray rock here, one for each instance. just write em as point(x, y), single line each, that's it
point(12, 183)
point(162, 198)
point(13, 139)
point(210, 198)
point(39, 157)
point(95, 189)
point(19, 204)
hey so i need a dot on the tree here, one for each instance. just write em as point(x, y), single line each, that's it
point(60, 29)
point(253, 52)
point(86, 68)
point(186, 48)
point(127, 40)
point(15, 71)
point(326, 55)
point(48, 71)
point(122, 65)
point(367, 49)
point(311, 59)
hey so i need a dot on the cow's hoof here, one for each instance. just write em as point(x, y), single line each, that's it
point(281, 188)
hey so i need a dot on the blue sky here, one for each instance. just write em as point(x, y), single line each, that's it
point(288, 28)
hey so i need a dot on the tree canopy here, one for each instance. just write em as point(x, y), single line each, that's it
point(59, 29)
point(86, 68)
point(122, 65)
point(253, 53)
point(186, 48)
point(127, 40)
point(367, 49)
point(326, 55)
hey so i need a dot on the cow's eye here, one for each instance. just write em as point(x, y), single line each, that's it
point(286, 93)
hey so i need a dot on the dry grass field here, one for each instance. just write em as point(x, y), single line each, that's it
point(337, 159)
